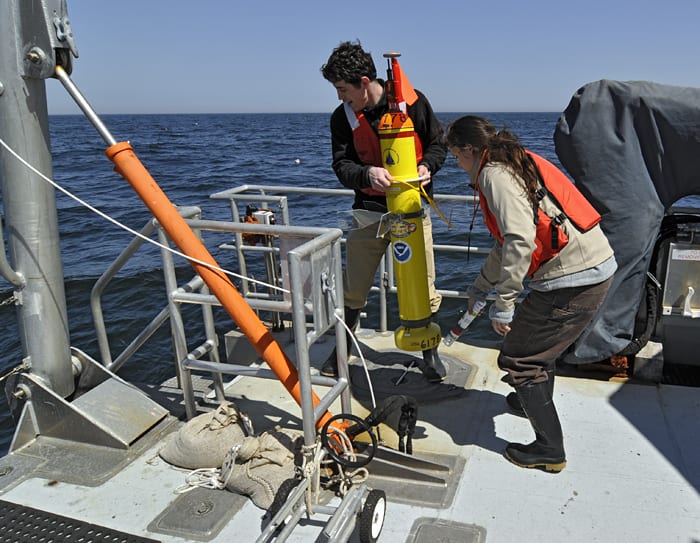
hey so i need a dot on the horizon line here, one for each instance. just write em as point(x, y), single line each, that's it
point(291, 113)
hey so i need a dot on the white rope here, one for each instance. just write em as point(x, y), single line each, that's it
point(360, 475)
point(311, 469)
point(359, 351)
point(345, 479)
point(130, 230)
point(229, 465)
point(201, 478)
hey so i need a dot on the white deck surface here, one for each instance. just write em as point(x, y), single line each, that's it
point(633, 470)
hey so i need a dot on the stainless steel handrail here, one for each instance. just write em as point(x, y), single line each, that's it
point(311, 240)
point(263, 194)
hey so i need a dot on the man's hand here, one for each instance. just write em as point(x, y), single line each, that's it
point(379, 178)
point(424, 173)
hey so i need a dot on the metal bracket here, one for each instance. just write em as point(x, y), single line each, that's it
point(90, 417)
point(63, 31)
point(44, 42)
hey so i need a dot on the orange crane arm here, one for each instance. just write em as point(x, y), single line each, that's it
point(130, 167)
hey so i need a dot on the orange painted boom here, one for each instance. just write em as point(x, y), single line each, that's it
point(130, 167)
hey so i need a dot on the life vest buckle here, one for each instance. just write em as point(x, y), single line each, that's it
point(559, 219)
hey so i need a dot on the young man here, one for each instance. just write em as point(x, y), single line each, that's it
point(357, 163)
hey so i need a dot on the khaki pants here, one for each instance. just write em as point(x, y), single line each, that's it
point(364, 251)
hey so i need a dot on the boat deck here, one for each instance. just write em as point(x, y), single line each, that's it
point(633, 470)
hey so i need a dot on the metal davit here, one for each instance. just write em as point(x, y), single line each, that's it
point(31, 223)
point(43, 48)
point(61, 391)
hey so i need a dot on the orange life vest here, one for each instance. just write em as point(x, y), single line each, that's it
point(366, 142)
point(549, 238)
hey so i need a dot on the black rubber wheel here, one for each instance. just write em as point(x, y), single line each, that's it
point(283, 493)
point(359, 427)
point(372, 516)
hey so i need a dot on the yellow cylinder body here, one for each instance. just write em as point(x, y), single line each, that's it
point(417, 332)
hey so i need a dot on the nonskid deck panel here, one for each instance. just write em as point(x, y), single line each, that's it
point(21, 523)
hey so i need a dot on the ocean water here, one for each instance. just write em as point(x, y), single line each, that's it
point(192, 157)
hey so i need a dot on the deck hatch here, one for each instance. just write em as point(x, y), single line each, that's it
point(430, 530)
point(387, 368)
point(200, 514)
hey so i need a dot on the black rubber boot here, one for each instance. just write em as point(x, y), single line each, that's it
point(330, 366)
point(433, 369)
point(547, 451)
point(514, 403)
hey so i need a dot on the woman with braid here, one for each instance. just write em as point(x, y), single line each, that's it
point(548, 234)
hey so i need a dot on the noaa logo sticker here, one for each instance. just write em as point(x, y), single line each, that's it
point(402, 229)
point(402, 252)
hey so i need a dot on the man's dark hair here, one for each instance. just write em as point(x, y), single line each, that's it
point(350, 63)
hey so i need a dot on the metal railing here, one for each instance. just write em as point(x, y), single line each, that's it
point(311, 260)
point(278, 195)
point(308, 287)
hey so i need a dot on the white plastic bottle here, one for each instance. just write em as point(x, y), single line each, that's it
point(463, 323)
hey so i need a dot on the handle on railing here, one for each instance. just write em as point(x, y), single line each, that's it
point(13, 277)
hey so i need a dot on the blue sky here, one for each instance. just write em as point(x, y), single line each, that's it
point(157, 56)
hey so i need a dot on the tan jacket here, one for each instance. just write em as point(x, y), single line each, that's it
point(506, 266)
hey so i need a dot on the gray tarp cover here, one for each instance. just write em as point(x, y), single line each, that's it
point(633, 149)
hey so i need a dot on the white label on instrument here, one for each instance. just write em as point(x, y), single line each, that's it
point(685, 254)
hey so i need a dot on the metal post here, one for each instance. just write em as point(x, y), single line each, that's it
point(31, 221)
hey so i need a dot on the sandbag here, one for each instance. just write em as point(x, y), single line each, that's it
point(204, 441)
point(259, 466)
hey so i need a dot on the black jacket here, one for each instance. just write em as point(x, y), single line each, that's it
point(353, 174)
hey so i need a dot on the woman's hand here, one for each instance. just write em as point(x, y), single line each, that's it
point(501, 328)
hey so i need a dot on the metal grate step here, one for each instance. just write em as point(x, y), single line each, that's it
point(20, 523)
